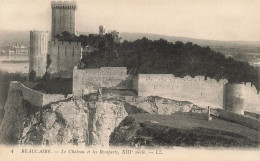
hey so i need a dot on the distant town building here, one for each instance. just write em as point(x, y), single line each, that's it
point(7, 52)
point(14, 50)
point(21, 51)
point(11, 52)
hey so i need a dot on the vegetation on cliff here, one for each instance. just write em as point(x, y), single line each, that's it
point(162, 57)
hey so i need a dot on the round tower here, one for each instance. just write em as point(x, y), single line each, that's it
point(38, 52)
point(234, 100)
point(63, 17)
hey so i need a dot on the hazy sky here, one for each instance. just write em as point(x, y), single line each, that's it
point(205, 19)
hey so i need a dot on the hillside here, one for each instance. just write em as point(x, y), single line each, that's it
point(202, 42)
point(162, 57)
point(182, 129)
point(239, 50)
point(15, 36)
point(24, 36)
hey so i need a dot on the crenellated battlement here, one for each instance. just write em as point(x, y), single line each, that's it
point(63, 17)
point(172, 78)
point(64, 4)
point(39, 32)
point(65, 43)
point(199, 89)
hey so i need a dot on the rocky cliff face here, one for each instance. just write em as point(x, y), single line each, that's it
point(76, 121)
point(73, 122)
point(164, 106)
point(15, 112)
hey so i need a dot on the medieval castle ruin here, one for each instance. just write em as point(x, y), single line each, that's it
point(54, 57)
point(59, 60)
point(198, 90)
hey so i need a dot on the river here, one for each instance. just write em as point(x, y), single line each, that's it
point(11, 67)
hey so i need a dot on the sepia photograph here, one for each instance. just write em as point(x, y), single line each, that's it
point(130, 80)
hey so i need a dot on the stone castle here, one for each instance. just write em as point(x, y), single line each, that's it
point(59, 60)
point(102, 99)
point(54, 57)
point(200, 90)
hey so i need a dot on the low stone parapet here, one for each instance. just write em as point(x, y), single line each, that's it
point(35, 97)
point(237, 118)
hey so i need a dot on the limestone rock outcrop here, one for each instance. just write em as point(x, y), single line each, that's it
point(15, 112)
point(77, 121)
point(73, 122)
point(164, 106)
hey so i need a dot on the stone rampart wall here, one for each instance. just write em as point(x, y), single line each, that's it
point(113, 76)
point(252, 115)
point(87, 81)
point(198, 90)
point(35, 97)
point(50, 98)
point(30, 95)
point(202, 92)
point(237, 118)
point(63, 57)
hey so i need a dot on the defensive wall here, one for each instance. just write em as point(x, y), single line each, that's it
point(252, 115)
point(63, 56)
point(87, 81)
point(237, 118)
point(35, 97)
point(38, 52)
point(198, 90)
point(63, 17)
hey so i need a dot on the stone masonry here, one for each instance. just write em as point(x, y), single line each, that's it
point(38, 52)
point(63, 17)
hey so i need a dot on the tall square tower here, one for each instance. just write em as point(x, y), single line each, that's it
point(63, 17)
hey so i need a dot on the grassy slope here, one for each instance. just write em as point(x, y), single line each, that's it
point(189, 121)
point(183, 129)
